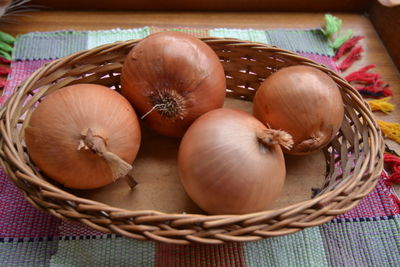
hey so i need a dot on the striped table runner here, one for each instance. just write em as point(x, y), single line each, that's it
point(368, 235)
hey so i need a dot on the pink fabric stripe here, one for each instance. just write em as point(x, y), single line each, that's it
point(20, 70)
point(231, 254)
point(324, 60)
point(377, 204)
point(76, 229)
point(20, 219)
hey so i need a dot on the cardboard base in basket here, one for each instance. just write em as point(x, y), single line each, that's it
point(159, 188)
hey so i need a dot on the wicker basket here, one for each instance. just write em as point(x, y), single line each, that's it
point(354, 158)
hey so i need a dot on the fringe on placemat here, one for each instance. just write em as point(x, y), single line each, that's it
point(392, 175)
point(6, 48)
point(4, 60)
point(355, 54)
point(347, 46)
point(390, 130)
point(392, 164)
point(4, 70)
point(369, 84)
point(332, 31)
point(381, 105)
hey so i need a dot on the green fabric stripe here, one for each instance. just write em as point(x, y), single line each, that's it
point(26, 253)
point(48, 45)
point(244, 34)
point(96, 38)
point(304, 248)
point(368, 243)
point(198, 32)
point(52, 45)
point(306, 41)
point(115, 251)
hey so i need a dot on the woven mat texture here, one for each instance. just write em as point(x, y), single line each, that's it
point(368, 235)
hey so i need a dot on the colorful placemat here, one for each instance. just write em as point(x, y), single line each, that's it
point(368, 235)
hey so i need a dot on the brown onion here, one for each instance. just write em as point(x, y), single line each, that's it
point(172, 78)
point(230, 163)
point(84, 136)
point(303, 101)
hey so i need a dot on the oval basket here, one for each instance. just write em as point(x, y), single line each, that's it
point(354, 158)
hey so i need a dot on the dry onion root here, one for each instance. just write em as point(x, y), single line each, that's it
point(172, 78)
point(303, 101)
point(84, 136)
point(230, 163)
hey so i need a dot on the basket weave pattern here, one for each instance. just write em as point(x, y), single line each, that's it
point(354, 159)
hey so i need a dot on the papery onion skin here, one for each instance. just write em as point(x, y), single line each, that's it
point(55, 132)
point(225, 168)
point(303, 101)
point(172, 78)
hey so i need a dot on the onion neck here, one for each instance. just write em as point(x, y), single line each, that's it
point(311, 144)
point(97, 144)
point(169, 104)
point(270, 137)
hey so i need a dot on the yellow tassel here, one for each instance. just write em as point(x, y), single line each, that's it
point(381, 105)
point(390, 130)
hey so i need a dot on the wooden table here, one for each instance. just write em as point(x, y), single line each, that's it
point(375, 52)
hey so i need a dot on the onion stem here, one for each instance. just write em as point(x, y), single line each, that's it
point(275, 137)
point(119, 167)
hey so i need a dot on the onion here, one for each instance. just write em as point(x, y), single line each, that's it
point(303, 101)
point(84, 136)
point(172, 78)
point(230, 163)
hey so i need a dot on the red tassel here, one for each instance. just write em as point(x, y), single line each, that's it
point(388, 183)
point(3, 83)
point(396, 199)
point(392, 163)
point(375, 92)
point(347, 46)
point(364, 78)
point(4, 60)
point(371, 83)
point(386, 91)
point(362, 75)
point(4, 70)
point(355, 54)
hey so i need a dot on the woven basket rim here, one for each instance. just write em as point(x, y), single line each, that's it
point(50, 190)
